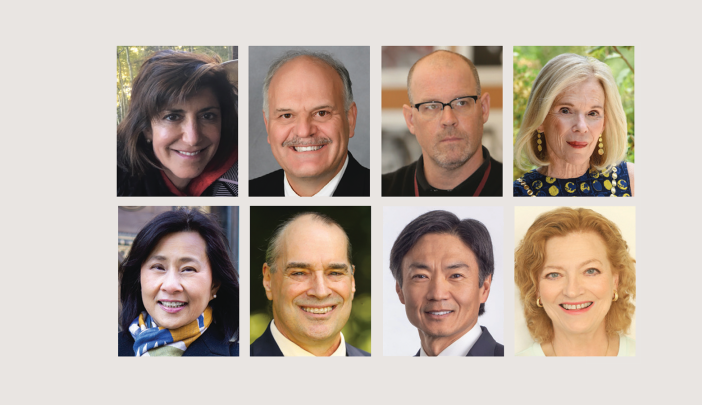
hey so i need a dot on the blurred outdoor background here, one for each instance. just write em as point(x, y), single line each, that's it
point(356, 221)
point(528, 61)
point(130, 59)
point(130, 220)
point(400, 147)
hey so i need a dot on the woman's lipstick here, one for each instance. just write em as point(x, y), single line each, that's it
point(575, 308)
point(577, 145)
point(172, 307)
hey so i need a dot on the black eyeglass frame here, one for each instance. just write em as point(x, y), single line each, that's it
point(443, 105)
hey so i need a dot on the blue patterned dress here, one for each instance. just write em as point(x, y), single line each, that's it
point(611, 183)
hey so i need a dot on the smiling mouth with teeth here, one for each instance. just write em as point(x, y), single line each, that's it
point(189, 153)
point(307, 148)
point(318, 310)
point(439, 312)
point(172, 304)
point(579, 306)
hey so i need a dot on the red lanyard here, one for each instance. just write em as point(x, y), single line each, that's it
point(477, 190)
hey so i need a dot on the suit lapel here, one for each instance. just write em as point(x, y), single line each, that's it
point(484, 346)
point(265, 345)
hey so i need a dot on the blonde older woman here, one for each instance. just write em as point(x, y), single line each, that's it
point(574, 130)
point(577, 283)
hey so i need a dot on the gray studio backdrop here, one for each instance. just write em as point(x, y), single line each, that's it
point(357, 61)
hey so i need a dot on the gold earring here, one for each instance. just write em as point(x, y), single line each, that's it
point(538, 140)
point(538, 302)
point(601, 151)
point(616, 296)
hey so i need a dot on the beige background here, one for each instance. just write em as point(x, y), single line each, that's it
point(623, 217)
point(59, 174)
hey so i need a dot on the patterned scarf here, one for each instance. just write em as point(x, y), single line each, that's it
point(152, 340)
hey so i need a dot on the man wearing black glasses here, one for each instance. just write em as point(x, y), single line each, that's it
point(446, 113)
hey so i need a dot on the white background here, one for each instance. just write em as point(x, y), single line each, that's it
point(59, 171)
point(400, 337)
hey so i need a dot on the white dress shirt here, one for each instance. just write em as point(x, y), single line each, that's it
point(326, 191)
point(462, 346)
point(290, 349)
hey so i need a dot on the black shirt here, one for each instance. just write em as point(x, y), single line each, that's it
point(402, 181)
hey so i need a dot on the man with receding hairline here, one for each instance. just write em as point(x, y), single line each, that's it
point(446, 113)
point(310, 115)
point(308, 276)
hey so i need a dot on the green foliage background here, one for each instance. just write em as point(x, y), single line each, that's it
point(130, 59)
point(356, 221)
point(528, 61)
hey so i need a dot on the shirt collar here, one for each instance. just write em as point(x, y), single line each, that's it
point(462, 346)
point(467, 187)
point(290, 349)
point(326, 191)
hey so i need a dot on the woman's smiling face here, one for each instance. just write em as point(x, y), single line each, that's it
point(185, 136)
point(176, 280)
point(577, 285)
point(574, 124)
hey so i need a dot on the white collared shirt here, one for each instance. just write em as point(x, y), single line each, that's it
point(290, 349)
point(326, 191)
point(462, 346)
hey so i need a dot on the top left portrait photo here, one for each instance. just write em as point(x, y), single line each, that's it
point(177, 121)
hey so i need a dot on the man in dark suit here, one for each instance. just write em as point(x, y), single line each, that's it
point(446, 114)
point(308, 276)
point(309, 113)
point(443, 269)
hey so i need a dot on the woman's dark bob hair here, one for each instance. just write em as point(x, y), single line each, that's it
point(167, 78)
point(225, 308)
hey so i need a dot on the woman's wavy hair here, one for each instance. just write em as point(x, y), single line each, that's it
point(529, 262)
point(559, 74)
point(225, 308)
point(167, 78)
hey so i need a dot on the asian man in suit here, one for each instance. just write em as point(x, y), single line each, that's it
point(443, 269)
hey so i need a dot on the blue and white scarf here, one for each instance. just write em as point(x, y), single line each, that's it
point(152, 340)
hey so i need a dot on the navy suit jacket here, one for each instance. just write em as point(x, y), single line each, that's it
point(265, 345)
point(484, 346)
point(211, 343)
point(354, 183)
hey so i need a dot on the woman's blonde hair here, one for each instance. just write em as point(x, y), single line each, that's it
point(530, 256)
point(559, 74)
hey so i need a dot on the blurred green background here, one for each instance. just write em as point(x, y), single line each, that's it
point(528, 61)
point(356, 221)
point(130, 59)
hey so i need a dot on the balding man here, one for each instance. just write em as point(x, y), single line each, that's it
point(308, 276)
point(446, 113)
point(310, 115)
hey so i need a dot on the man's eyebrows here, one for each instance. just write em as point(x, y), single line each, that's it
point(337, 266)
point(418, 266)
point(317, 108)
point(298, 265)
point(321, 107)
point(308, 266)
point(424, 266)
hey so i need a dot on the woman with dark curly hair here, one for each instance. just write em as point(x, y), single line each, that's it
point(179, 136)
point(179, 290)
point(577, 283)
